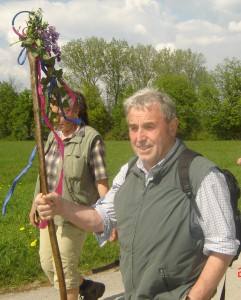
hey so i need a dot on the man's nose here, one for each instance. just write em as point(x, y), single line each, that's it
point(140, 134)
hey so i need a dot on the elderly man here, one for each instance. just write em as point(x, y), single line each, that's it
point(167, 251)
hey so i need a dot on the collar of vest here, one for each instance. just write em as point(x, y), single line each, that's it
point(161, 170)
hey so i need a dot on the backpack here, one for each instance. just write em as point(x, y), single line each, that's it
point(185, 160)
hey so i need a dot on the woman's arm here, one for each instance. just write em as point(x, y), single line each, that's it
point(102, 186)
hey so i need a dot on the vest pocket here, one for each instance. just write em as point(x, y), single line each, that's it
point(75, 167)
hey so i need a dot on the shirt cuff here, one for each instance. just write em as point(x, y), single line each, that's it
point(108, 226)
point(220, 245)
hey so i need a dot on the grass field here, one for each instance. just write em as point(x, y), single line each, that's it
point(19, 261)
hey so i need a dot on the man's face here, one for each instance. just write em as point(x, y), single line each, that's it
point(151, 137)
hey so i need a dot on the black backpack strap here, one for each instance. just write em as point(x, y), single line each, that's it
point(185, 160)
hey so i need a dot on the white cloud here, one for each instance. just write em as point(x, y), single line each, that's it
point(225, 4)
point(198, 32)
point(210, 39)
point(10, 68)
point(235, 26)
point(193, 26)
point(139, 28)
point(141, 5)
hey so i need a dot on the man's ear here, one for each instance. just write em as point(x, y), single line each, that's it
point(173, 125)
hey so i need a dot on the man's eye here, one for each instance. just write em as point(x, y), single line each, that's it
point(149, 126)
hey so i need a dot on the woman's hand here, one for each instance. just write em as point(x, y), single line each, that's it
point(33, 216)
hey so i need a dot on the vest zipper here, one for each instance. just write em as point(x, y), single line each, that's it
point(133, 238)
point(164, 278)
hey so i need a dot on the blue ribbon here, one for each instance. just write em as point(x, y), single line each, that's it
point(24, 58)
point(16, 180)
point(23, 11)
point(20, 35)
point(76, 120)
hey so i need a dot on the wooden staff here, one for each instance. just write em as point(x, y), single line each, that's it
point(42, 171)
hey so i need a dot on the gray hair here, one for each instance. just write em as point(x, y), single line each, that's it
point(148, 96)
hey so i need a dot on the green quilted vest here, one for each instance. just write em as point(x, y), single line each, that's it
point(78, 184)
point(161, 245)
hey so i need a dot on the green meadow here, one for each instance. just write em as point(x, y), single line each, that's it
point(19, 261)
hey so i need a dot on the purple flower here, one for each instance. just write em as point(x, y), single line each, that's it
point(50, 37)
point(54, 34)
point(59, 57)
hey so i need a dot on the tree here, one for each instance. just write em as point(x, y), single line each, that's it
point(225, 108)
point(208, 106)
point(22, 116)
point(83, 62)
point(99, 117)
point(116, 76)
point(119, 129)
point(185, 62)
point(8, 97)
point(179, 88)
point(192, 65)
point(141, 66)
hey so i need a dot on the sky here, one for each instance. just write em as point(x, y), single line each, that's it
point(210, 27)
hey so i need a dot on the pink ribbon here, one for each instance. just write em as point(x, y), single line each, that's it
point(59, 188)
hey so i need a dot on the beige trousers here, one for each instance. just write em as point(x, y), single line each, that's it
point(70, 241)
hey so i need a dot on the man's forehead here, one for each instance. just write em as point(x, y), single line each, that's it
point(149, 107)
point(148, 112)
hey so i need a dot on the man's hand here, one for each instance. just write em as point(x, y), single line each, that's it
point(48, 205)
point(239, 161)
point(83, 216)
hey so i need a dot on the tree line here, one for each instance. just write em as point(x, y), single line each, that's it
point(208, 102)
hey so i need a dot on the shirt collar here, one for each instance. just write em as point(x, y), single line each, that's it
point(79, 131)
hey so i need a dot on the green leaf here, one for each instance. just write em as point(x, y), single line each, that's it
point(39, 42)
point(58, 73)
point(46, 56)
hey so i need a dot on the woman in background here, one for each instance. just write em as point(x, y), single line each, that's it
point(84, 181)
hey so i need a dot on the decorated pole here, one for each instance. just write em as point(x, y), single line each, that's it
point(39, 40)
point(42, 170)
